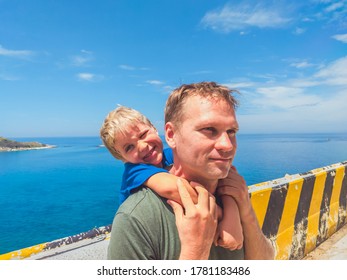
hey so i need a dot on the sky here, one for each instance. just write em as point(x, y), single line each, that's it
point(65, 64)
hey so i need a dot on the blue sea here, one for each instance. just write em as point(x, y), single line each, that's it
point(54, 193)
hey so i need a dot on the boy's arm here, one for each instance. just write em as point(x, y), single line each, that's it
point(229, 233)
point(257, 245)
point(165, 184)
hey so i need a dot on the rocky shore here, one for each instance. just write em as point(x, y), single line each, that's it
point(7, 145)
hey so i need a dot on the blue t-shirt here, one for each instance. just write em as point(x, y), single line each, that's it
point(135, 175)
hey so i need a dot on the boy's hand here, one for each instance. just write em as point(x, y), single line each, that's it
point(235, 186)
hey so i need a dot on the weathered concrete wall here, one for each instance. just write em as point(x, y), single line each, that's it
point(60, 243)
point(299, 212)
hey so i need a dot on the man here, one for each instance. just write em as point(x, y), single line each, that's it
point(201, 129)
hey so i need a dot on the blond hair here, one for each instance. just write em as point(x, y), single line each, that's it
point(210, 90)
point(117, 122)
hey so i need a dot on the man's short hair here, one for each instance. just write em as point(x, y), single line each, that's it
point(210, 90)
point(118, 122)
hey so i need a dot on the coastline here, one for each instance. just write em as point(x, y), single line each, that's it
point(4, 149)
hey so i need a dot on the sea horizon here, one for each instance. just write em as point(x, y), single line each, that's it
point(161, 134)
point(54, 193)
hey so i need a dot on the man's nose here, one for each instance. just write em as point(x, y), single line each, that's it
point(224, 143)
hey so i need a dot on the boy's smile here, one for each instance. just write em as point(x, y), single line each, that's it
point(140, 144)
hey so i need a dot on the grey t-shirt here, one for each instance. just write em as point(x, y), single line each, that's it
point(144, 228)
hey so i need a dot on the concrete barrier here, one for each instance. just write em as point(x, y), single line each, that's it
point(59, 243)
point(297, 212)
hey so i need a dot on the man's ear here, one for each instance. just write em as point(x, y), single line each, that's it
point(170, 134)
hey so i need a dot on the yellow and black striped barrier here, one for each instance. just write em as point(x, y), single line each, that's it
point(297, 212)
point(301, 211)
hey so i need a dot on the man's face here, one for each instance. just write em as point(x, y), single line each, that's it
point(205, 141)
point(140, 144)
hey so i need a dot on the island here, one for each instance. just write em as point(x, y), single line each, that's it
point(7, 145)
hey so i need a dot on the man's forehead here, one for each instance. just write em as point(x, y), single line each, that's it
point(210, 99)
point(200, 104)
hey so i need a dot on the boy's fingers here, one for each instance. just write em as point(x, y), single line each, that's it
point(233, 168)
point(227, 190)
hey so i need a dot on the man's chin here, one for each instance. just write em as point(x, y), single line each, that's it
point(219, 174)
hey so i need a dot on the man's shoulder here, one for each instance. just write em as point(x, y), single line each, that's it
point(142, 202)
point(144, 228)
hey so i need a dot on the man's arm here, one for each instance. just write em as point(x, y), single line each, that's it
point(196, 223)
point(256, 245)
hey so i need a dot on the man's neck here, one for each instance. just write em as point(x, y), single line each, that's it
point(210, 185)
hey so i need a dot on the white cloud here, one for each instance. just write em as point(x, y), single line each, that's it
point(155, 82)
point(299, 31)
point(285, 97)
point(231, 18)
point(86, 76)
point(341, 37)
point(82, 59)
point(294, 110)
point(238, 85)
point(126, 67)
point(89, 77)
point(334, 6)
point(303, 64)
point(15, 53)
point(314, 103)
point(304, 83)
point(335, 73)
point(329, 115)
point(334, 12)
point(132, 68)
point(168, 89)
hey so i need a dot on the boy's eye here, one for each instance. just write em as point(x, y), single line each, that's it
point(143, 134)
point(128, 148)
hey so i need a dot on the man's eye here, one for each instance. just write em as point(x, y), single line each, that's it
point(232, 132)
point(210, 130)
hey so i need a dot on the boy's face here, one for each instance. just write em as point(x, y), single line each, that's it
point(140, 144)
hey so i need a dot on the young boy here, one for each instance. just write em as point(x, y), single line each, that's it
point(131, 137)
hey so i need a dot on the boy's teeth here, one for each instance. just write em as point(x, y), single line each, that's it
point(149, 154)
